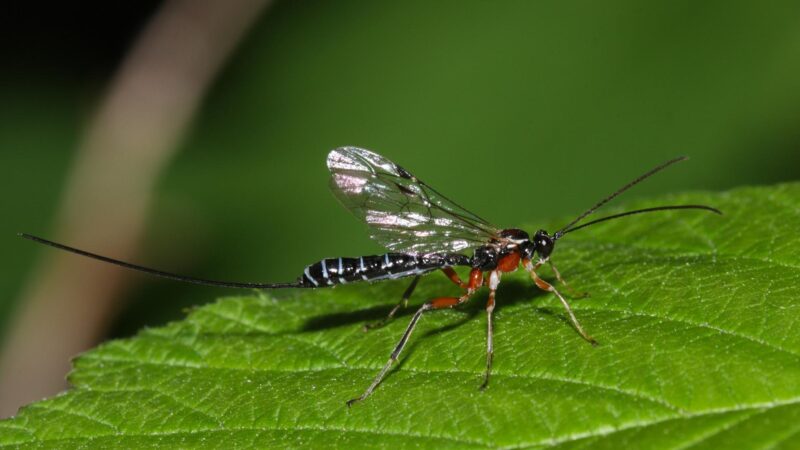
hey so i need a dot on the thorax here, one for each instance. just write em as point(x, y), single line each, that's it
point(496, 256)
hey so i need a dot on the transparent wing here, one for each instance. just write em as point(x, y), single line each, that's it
point(403, 213)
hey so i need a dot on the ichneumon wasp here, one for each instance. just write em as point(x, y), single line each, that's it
point(424, 232)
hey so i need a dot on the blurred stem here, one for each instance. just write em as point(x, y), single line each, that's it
point(69, 302)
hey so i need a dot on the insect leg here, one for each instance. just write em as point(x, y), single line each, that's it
point(564, 282)
point(494, 280)
point(545, 286)
point(476, 278)
point(453, 276)
point(403, 302)
point(449, 273)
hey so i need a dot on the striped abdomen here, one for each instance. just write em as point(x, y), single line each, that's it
point(332, 271)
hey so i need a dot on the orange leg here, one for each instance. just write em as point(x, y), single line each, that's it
point(449, 273)
point(431, 305)
point(545, 286)
point(453, 276)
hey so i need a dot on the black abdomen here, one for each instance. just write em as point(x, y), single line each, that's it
point(332, 271)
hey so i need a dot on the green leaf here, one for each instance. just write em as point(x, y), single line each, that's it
point(696, 315)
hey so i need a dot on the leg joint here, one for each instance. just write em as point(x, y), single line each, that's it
point(442, 302)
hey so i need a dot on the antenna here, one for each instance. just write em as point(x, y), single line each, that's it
point(636, 181)
point(640, 211)
point(160, 273)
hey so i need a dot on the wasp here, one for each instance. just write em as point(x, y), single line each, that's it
point(424, 232)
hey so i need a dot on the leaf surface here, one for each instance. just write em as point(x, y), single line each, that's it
point(696, 314)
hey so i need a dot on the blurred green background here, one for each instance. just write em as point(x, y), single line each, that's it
point(519, 110)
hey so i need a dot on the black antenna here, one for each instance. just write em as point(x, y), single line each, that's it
point(640, 211)
point(159, 273)
point(594, 208)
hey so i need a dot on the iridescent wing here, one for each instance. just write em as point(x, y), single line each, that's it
point(403, 213)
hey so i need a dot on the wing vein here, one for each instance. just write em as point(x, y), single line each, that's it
point(403, 213)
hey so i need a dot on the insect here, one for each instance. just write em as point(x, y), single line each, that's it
point(424, 232)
